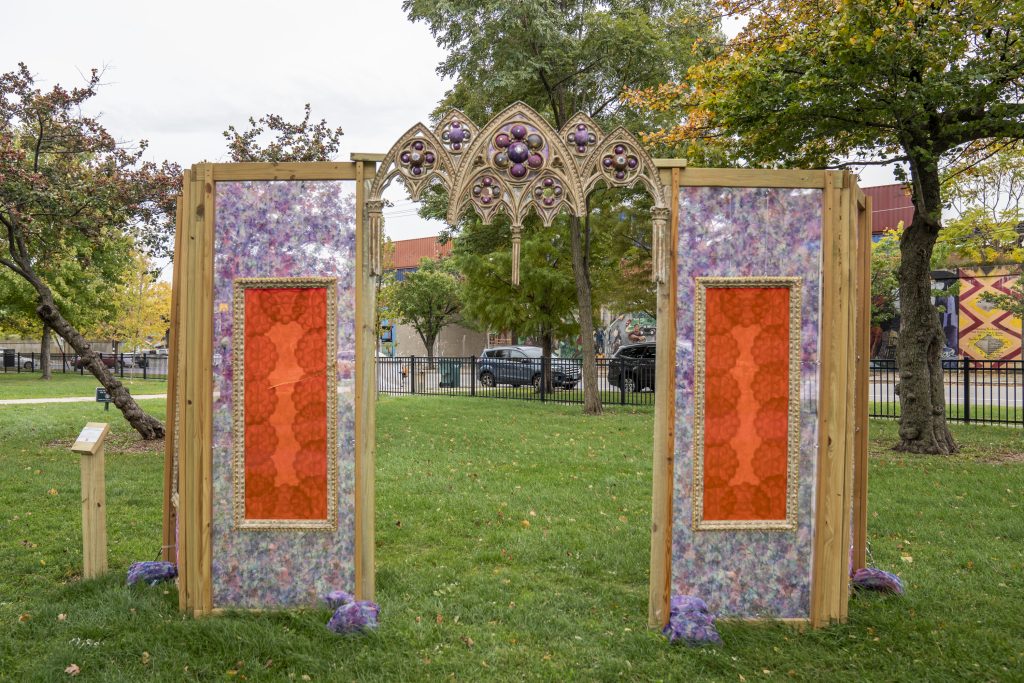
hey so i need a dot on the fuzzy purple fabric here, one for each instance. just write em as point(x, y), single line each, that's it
point(336, 599)
point(151, 573)
point(691, 622)
point(877, 580)
point(354, 616)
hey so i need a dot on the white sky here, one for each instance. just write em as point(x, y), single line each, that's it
point(178, 74)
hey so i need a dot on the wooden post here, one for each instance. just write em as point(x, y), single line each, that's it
point(89, 445)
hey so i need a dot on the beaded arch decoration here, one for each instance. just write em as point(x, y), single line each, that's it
point(516, 164)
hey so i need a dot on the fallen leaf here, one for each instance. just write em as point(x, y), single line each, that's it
point(145, 658)
point(72, 670)
point(525, 524)
point(468, 641)
point(53, 492)
point(438, 619)
point(24, 616)
point(906, 558)
point(62, 617)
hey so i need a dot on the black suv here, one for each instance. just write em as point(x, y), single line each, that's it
point(631, 368)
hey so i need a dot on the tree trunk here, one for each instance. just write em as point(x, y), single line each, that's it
point(581, 273)
point(923, 427)
point(146, 425)
point(44, 352)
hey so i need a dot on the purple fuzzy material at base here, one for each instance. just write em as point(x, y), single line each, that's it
point(151, 573)
point(354, 616)
point(690, 621)
point(336, 599)
point(877, 580)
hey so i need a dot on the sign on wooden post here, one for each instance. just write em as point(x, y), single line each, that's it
point(89, 445)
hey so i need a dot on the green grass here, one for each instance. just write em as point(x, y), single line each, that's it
point(562, 599)
point(29, 385)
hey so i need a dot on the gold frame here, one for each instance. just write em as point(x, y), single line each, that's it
point(702, 284)
point(240, 285)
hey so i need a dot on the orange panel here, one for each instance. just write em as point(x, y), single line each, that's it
point(746, 403)
point(286, 403)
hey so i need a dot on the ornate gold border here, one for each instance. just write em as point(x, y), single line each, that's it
point(238, 403)
point(702, 284)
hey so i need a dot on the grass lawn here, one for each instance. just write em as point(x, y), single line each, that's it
point(470, 591)
point(29, 385)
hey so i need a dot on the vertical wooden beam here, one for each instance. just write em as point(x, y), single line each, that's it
point(848, 378)
point(659, 594)
point(365, 396)
point(91, 447)
point(168, 550)
point(204, 411)
point(860, 468)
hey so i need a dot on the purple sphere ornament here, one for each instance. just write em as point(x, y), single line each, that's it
point(581, 126)
point(581, 137)
point(538, 192)
point(429, 158)
point(487, 180)
point(456, 124)
point(607, 162)
point(619, 149)
point(558, 190)
point(457, 135)
point(485, 199)
point(535, 161)
point(632, 162)
point(501, 140)
point(518, 152)
point(417, 170)
point(518, 131)
point(548, 201)
point(548, 182)
point(517, 170)
point(405, 157)
point(581, 148)
point(456, 146)
point(418, 146)
point(477, 190)
point(620, 175)
point(501, 159)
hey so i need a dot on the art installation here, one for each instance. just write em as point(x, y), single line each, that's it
point(759, 444)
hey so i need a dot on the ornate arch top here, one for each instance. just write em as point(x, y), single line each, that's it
point(515, 164)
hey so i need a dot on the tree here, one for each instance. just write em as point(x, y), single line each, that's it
point(64, 180)
point(561, 58)
point(142, 307)
point(302, 141)
point(815, 82)
point(428, 299)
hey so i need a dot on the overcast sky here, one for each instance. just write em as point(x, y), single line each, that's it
point(177, 74)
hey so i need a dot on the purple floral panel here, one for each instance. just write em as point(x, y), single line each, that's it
point(282, 229)
point(747, 232)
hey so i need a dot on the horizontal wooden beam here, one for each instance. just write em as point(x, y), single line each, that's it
point(307, 170)
point(751, 177)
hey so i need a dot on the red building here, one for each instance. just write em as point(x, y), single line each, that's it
point(890, 205)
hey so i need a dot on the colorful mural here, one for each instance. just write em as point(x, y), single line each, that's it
point(747, 232)
point(986, 332)
point(276, 229)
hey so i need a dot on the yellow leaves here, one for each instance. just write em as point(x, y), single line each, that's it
point(52, 492)
point(525, 524)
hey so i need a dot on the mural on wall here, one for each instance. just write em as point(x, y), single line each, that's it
point(949, 313)
point(626, 328)
point(986, 332)
point(748, 232)
point(275, 230)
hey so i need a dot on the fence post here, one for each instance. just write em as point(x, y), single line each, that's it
point(545, 363)
point(967, 389)
point(622, 383)
point(412, 372)
point(472, 375)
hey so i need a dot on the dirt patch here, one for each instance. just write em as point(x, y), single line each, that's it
point(1002, 458)
point(119, 444)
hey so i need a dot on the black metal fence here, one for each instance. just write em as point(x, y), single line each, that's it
point(977, 391)
point(619, 383)
point(133, 365)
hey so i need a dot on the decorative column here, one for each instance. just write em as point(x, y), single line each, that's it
point(660, 258)
point(517, 234)
point(375, 218)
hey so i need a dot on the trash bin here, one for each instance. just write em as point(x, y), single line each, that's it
point(451, 372)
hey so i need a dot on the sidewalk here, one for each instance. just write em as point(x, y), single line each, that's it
point(75, 399)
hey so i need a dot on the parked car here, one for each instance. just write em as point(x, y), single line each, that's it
point(134, 360)
point(26, 362)
point(110, 360)
point(521, 365)
point(631, 368)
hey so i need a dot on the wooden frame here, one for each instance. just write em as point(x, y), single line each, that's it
point(841, 495)
point(191, 364)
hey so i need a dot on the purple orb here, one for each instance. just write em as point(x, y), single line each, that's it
point(620, 175)
point(405, 157)
point(456, 146)
point(517, 170)
point(548, 201)
point(581, 149)
point(558, 190)
point(487, 180)
point(607, 162)
point(485, 199)
point(548, 182)
point(456, 124)
point(581, 127)
point(501, 159)
point(417, 170)
point(518, 152)
point(501, 140)
point(418, 146)
point(535, 161)
point(619, 149)
point(581, 137)
point(457, 135)
point(632, 162)
point(429, 158)
point(518, 131)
